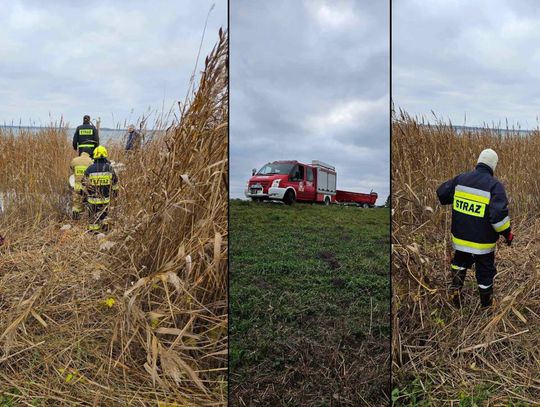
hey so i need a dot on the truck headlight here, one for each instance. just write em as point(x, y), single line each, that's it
point(276, 182)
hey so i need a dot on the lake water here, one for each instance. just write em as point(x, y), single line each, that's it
point(499, 131)
point(105, 134)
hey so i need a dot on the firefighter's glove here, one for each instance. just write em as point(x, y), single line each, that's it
point(508, 237)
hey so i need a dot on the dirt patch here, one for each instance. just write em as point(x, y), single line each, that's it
point(338, 282)
point(262, 283)
point(308, 318)
point(329, 258)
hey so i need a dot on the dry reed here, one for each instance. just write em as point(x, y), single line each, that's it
point(136, 318)
point(444, 356)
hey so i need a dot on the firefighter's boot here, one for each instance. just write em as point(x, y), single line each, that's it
point(458, 279)
point(106, 226)
point(77, 206)
point(456, 298)
point(486, 296)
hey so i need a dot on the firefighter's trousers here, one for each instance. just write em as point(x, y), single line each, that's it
point(89, 150)
point(77, 202)
point(98, 217)
point(485, 267)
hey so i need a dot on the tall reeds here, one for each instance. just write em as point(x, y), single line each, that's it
point(442, 355)
point(33, 170)
point(138, 317)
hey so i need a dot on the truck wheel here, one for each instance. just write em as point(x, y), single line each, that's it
point(365, 205)
point(256, 199)
point(289, 197)
point(327, 201)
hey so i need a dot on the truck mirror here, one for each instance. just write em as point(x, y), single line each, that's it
point(254, 171)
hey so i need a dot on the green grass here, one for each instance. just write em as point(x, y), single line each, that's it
point(417, 393)
point(309, 298)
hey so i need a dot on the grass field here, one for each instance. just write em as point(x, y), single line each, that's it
point(309, 305)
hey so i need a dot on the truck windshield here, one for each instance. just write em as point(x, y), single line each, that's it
point(275, 168)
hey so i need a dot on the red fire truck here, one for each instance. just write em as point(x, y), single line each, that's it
point(291, 181)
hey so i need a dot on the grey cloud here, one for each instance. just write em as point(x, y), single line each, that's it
point(301, 88)
point(102, 58)
point(467, 59)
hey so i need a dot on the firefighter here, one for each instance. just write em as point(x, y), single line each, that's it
point(78, 167)
point(101, 183)
point(479, 217)
point(86, 137)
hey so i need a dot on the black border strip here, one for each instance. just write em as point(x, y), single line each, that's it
point(228, 202)
point(390, 376)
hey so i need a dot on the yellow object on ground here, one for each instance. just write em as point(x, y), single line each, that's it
point(109, 302)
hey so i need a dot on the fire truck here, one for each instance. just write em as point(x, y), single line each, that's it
point(291, 181)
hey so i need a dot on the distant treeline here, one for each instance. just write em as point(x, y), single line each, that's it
point(463, 129)
point(476, 129)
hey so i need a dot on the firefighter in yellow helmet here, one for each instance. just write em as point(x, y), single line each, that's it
point(78, 167)
point(101, 185)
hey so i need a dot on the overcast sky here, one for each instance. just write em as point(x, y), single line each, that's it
point(310, 81)
point(475, 58)
point(103, 58)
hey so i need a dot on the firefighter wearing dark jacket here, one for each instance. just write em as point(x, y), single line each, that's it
point(479, 217)
point(86, 137)
point(101, 185)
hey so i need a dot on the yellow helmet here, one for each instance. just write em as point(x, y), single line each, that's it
point(100, 152)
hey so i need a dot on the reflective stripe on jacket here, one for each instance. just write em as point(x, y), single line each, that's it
point(85, 136)
point(479, 210)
